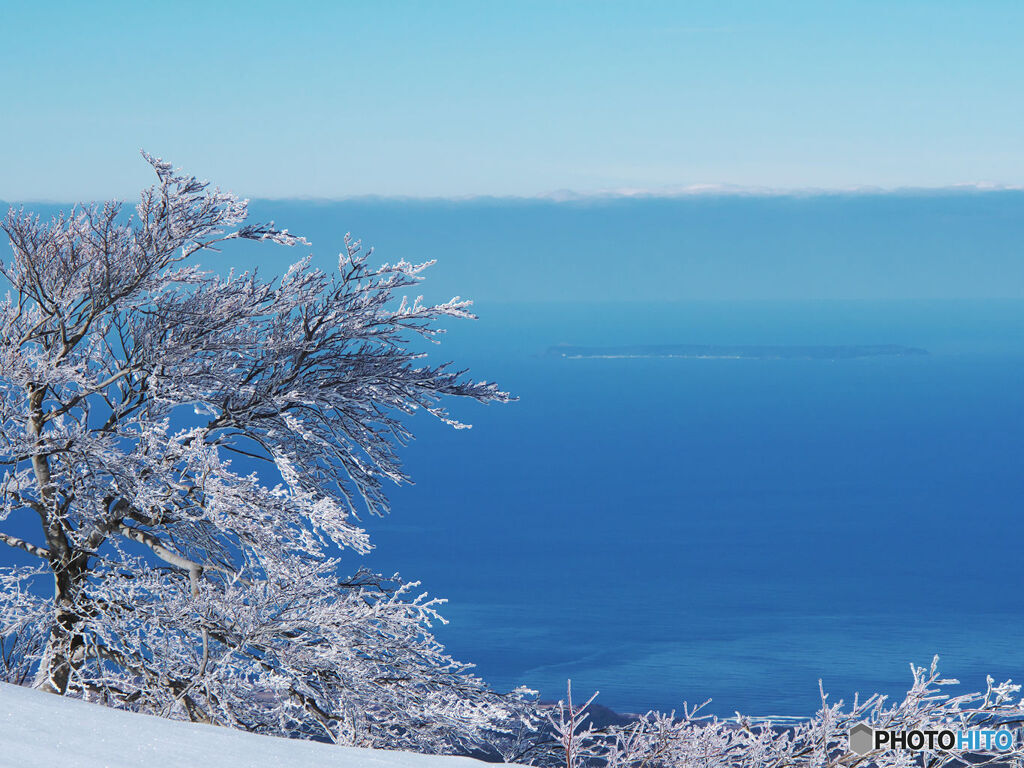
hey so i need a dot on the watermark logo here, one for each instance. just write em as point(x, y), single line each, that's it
point(864, 739)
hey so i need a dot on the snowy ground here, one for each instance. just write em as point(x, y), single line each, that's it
point(40, 730)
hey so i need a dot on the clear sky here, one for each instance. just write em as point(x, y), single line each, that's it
point(330, 99)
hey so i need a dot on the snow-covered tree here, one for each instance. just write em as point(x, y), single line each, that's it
point(130, 379)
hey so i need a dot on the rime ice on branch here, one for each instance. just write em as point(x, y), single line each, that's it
point(180, 586)
point(692, 740)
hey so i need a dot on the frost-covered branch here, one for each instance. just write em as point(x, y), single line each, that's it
point(577, 743)
point(32, 549)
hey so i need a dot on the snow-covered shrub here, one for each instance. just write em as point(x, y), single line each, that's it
point(691, 740)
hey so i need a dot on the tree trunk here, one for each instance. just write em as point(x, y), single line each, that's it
point(55, 667)
point(68, 565)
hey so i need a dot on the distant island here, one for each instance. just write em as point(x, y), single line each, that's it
point(744, 352)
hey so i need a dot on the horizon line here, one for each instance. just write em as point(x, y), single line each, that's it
point(611, 194)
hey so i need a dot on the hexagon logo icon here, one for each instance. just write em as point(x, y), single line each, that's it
point(862, 738)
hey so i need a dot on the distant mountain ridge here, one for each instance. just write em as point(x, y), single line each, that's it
point(728, 352)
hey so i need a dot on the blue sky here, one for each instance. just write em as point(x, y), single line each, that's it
point(331, 99)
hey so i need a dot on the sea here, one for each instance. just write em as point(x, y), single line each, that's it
point(676, 530)
point(667, 530)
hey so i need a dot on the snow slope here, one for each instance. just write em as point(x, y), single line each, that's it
point(40, 730)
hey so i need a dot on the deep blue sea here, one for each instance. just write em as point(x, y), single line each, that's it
point(669, 530)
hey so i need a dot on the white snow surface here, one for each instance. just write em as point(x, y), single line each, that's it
point(41, 730)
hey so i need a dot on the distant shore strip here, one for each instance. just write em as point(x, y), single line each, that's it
point(747, 352)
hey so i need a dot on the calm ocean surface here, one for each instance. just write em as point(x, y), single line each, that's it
point(674, 530)
point(670, 530)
